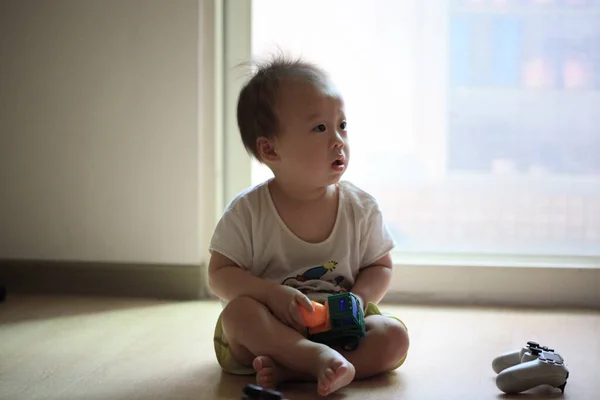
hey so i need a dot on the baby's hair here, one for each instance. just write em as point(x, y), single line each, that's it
point(256, 116)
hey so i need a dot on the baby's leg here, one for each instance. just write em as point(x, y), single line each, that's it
point(270, 374)
point(384, 345)
point(251, 330)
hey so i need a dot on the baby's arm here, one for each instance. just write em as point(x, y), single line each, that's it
point(228, 281)
point(373, 281)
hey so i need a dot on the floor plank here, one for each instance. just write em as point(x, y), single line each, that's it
point(69, 348)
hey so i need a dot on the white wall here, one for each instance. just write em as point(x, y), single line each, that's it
point(99, 118)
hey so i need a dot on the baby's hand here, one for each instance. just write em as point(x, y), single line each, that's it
point(283, 303)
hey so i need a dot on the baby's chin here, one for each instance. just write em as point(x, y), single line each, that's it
point(335, 179)
point(321, 178)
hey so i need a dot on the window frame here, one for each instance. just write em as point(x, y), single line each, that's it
point(418, 278)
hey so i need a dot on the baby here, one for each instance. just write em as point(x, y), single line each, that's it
point(303, 235)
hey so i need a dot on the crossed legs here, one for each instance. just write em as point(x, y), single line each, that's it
point(279, 353)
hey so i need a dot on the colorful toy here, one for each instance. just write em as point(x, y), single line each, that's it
point(316, 317)
point(254, 392)
point(340, 321)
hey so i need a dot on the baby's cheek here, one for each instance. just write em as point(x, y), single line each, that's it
point(312, 158)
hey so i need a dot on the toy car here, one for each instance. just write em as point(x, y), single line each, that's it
point(340, 321)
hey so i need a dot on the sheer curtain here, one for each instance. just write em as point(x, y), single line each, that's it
point(476, 123)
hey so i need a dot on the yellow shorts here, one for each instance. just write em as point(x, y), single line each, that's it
point(230, 365)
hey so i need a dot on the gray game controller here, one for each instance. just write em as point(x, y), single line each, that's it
point(545, 368)
point(527, 353)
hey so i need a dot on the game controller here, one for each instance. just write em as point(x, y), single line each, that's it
point(529, 352)
point(254, 392)
point(547, 368)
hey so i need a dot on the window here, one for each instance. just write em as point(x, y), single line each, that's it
point(475, 123)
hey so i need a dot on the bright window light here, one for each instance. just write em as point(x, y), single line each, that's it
point(476, 124)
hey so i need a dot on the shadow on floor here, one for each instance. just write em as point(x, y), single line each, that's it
point(541, 393)
point(230, 387)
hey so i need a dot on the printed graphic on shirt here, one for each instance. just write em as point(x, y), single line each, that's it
point(320, 279)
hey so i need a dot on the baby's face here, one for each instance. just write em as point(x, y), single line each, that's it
point(312, 141)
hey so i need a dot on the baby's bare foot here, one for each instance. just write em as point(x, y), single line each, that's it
point(334, 372)
point(269, 374)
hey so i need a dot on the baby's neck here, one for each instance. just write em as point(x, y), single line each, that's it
point(301, 194)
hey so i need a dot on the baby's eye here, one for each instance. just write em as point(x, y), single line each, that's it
point(343, 125)
point(320, 128)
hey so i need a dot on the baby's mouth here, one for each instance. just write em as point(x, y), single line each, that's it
point(338, 164)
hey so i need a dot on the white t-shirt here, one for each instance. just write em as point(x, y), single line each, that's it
point(252, 234)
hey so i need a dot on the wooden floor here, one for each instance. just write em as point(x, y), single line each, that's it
point(75, 348)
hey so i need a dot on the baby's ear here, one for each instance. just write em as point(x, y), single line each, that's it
point(266, 150)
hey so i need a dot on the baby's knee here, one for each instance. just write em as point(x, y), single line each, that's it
point(399, 335)
point(395, 342)
point(241, 309)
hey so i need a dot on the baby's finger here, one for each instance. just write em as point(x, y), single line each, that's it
point(304, 301)
point(285, 317)
point(296, 314)
point(292, 323)
point(281, 317)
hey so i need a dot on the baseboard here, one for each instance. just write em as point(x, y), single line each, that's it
point(415, 285)
point(485, 301)
point(161, 281)
point(522, 287)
